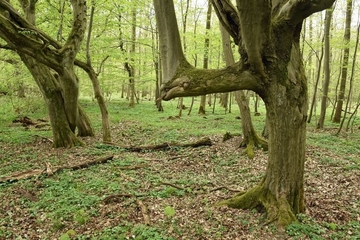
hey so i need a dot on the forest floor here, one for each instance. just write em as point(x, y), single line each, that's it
point(167, 194)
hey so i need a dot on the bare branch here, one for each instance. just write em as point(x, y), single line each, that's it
point(297, 10)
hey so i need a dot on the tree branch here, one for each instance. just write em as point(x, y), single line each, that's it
point(229, 18)
point(73, 42)
point(180, 78)
point(295, 10)
point(255, 31)
point(190, 81)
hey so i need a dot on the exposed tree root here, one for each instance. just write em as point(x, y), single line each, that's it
point(251, 142)
point(278, 210)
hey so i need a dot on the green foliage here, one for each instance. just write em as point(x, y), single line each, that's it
point(169, 211)
point(143, 232)
point(68, 235)
point(305, 227)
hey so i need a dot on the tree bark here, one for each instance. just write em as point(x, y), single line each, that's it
point(61, 89)
point(326, 84)
point(250, 137)
point(341, 94)
point(271, 65)
point(206, 57)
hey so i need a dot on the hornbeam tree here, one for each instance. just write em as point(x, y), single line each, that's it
point(52, 67)
point(267, 34)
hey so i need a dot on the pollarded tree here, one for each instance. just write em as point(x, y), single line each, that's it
point(267, 34)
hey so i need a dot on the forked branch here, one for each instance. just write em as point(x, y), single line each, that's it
point(180, 78)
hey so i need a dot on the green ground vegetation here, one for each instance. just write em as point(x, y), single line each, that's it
point(178, 187)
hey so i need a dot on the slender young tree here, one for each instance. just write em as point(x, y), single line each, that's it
point(267, 34)
point(324, 97)
point(345, 63)
point(206, 56)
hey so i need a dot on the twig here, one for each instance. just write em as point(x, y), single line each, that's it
point(144, 211)
point(227, 188)
point(176, 157)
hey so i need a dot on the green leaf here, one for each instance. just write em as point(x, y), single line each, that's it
point(169, 211)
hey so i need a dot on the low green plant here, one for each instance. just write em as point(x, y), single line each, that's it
point(305, 227)
point(143, 232)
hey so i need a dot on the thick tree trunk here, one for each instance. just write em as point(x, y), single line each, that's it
point(281, 192)
point(60, 90)
point(271, 65)
point(52, 92)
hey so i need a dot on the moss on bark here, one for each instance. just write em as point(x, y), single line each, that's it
point(278, 209)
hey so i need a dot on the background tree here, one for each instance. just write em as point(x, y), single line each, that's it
point(206, 56)
point(325, 90)
point(345, 62)
point(250, 137)
point(40, 53)
point(271, 65)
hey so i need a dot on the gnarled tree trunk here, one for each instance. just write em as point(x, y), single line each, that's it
point(267, 34)
point(60, 90)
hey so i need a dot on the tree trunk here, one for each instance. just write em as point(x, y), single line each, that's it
point(250, 137)
point(206, 56)
point(84, 126)
point(324, 97)
point(271, 65)
point(52, 92)
point(281, 192)
point(341, 94)
point(60, 89)
point(130, 67)
point(106, 134)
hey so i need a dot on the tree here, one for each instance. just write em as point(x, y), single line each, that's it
point(206, 57)
point(51, 64)
point(250, 137)
point(326, 83)
point(345, 62)
point(267, 34)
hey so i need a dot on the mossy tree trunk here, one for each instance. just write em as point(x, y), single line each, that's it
point(267, 34)
point(51, 64)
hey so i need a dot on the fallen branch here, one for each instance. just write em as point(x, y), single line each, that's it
point(48, 171)
point(167, 146)
point(144, 211)
point(86, 164)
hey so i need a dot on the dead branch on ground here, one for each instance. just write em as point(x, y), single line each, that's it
point(168, 146)
point(49, 170)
